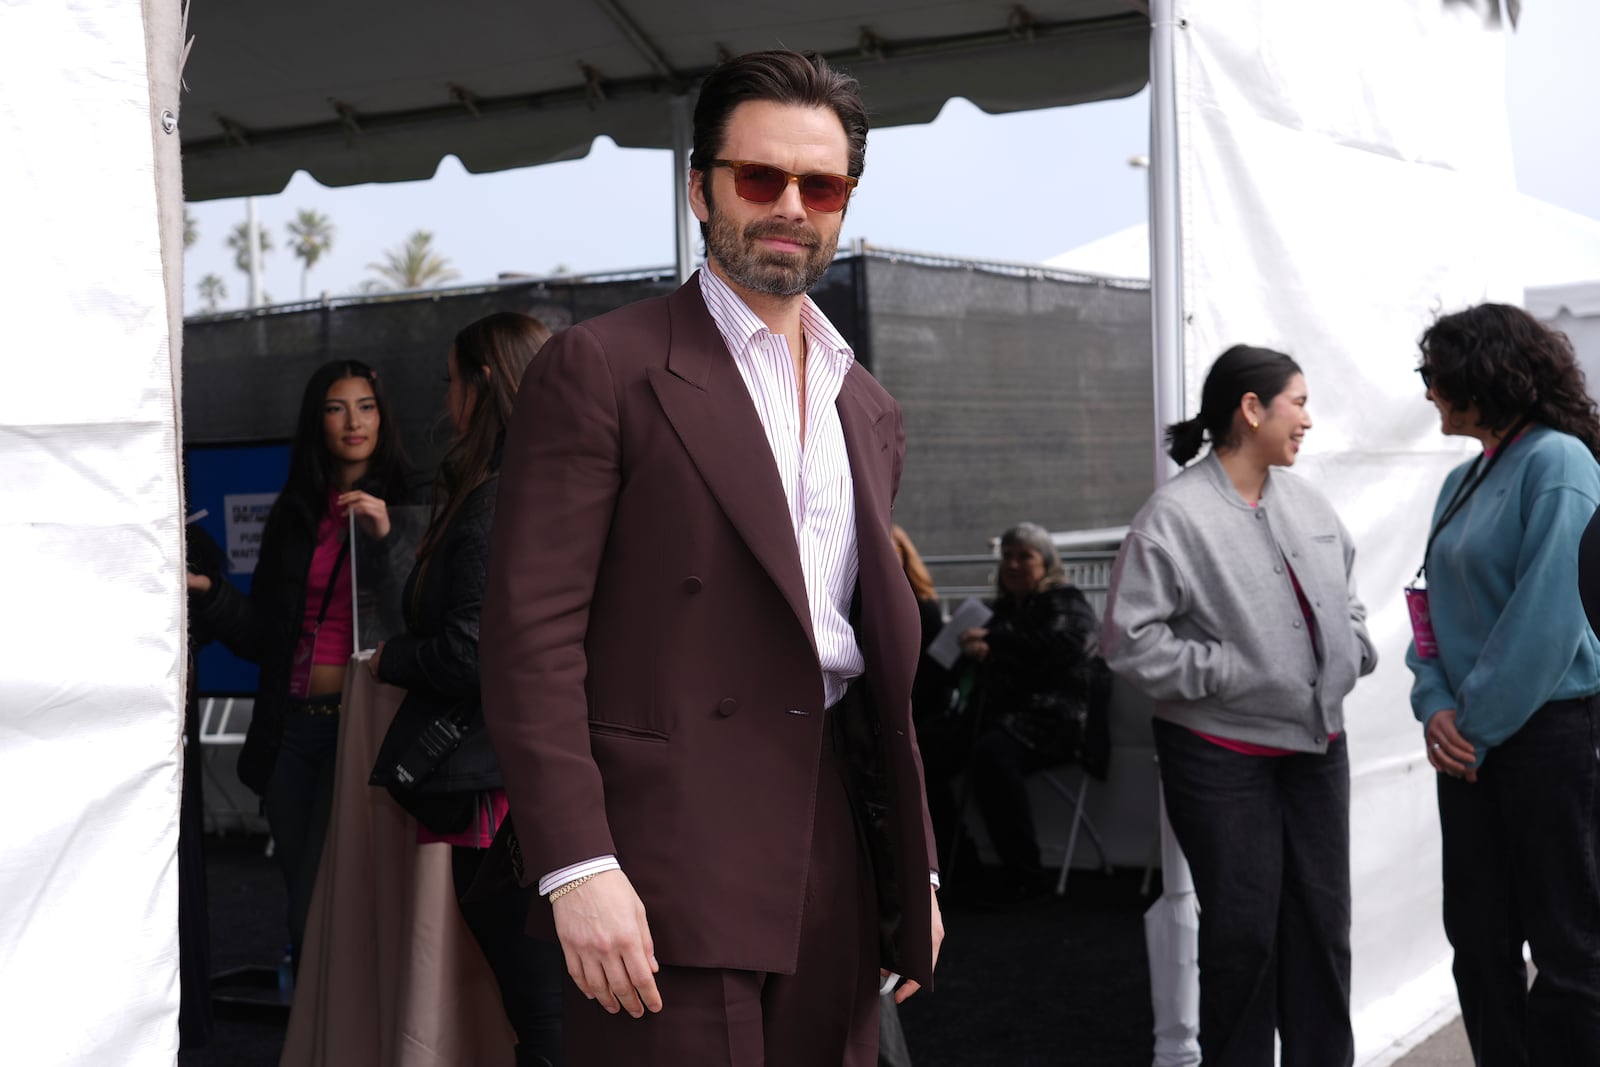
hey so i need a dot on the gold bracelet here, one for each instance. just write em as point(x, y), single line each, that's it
point(568, 887)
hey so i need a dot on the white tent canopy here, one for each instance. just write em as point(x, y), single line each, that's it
point(1124, 254)
point(1556, 252)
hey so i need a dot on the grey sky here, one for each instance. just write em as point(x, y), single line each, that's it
point(956, 186)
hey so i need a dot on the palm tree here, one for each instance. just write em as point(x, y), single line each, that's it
point(310, 235)
point(414, 265)
point(212, 290)
point(191, 230)
point(239, 241)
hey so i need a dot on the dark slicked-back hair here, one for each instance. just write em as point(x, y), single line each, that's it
point(1241, 370)
point(1508, 365)
point(780, 77)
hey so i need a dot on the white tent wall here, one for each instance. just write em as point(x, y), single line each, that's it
point(90, 535)
point(1575, 311)
point(1327, 164)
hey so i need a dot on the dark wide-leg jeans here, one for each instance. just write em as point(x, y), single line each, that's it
point(1520, 848)
point(298, 799)
point(1268, 842)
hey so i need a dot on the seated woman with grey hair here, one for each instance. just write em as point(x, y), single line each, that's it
point(1035, 664)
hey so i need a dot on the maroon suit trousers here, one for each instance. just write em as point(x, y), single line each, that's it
point(823, 1015)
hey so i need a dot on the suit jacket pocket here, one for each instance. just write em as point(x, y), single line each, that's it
point(627, 731)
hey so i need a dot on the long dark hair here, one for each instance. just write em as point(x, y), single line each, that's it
point(1241, 369)
point(305, 495)
point(1508, 365)
point(503, 343)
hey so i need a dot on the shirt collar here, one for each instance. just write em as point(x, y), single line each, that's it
point(739, 326)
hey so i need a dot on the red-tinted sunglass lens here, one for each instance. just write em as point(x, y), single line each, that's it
point(758, 183)
point(823, 192)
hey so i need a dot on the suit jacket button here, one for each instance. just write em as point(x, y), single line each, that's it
point(727, 707)
point(692, 584)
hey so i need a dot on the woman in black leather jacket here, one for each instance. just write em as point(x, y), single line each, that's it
point(298, 621)
point(1037, 666)
point(459, 799)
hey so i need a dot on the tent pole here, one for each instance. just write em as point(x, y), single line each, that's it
point(682, 143)
point(1166, 269)
point(1172, 923)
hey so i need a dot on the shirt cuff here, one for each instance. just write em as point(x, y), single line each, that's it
point(556, 879)
point(933, 876)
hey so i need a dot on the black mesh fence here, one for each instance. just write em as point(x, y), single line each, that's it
point(244, 373)
point(1027, 393)
point(1027, 397)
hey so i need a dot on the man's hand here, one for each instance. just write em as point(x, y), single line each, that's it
point(607, 943)
point(908, 988)
point(1448, 751)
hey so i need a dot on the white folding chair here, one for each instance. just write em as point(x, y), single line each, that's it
point(1057, 779)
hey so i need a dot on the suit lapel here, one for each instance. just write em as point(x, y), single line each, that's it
point(866, 442)
point(710, 409)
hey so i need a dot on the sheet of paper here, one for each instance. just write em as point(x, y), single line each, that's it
point(945, 648)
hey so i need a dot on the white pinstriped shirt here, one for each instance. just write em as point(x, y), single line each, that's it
point(816, 480)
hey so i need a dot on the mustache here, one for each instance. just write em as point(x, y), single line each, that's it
point(800, 234)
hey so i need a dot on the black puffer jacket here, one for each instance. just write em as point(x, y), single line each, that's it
point(436, 659)
point(1039, 679)
point(1038, 647)
point(264, 627)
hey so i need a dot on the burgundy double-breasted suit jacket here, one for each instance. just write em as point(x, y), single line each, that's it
point(650, 679)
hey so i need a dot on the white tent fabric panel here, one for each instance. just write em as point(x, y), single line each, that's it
point(90, 686)
point(1336, 186)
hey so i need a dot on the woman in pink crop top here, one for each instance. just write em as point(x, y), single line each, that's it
point(297, 622)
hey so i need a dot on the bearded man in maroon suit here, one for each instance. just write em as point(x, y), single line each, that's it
point(698, 643)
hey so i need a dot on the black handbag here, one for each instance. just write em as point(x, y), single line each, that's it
point(419, 740)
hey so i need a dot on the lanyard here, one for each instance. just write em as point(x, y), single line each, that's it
point(1468, 486)
point(333, 579)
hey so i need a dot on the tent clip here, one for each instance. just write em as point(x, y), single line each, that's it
point(594, 92)
point(347, 118)
point(871, 45)
point(466, 98)
point(1021, 24)
point(231, 130)
point(188, 43)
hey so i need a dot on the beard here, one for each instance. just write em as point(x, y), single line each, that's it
point(763, 270)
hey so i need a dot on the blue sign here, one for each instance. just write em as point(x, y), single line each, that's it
point(234, 485)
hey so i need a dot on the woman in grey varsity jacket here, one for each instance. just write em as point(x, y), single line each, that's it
point(1232, 605)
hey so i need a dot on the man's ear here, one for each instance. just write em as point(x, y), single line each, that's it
point(697, 195)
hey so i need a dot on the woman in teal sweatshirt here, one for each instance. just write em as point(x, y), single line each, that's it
point(1507, 671)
